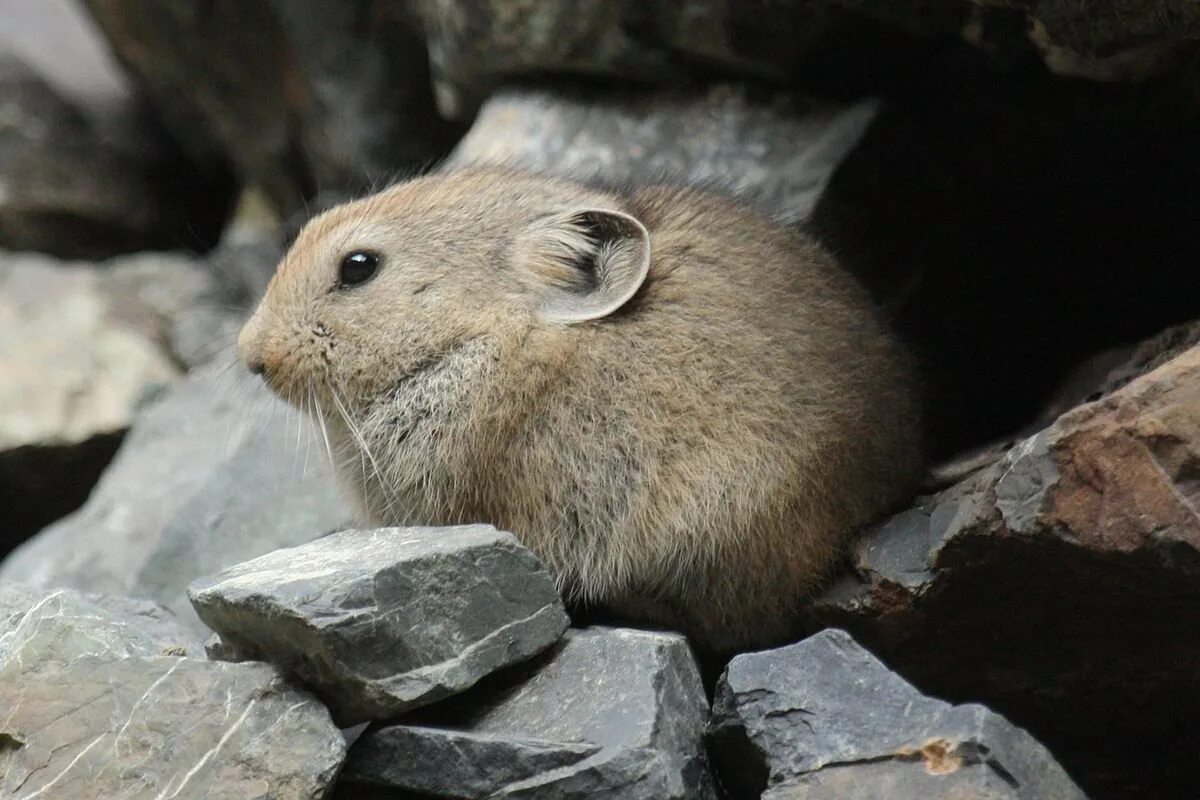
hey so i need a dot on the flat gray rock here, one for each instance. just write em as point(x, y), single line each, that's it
point(382, 621)
point(61, 625)
point(610, 713)
point(777, 153)
point(158, 727)
point(824, 717)
point(215, 472)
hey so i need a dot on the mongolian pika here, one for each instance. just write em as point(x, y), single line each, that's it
point(681, 406)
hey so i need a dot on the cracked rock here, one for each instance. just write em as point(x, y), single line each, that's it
point(609, 713)
point(382, 621)
point(59, 626)
point(1065, 575)
point(778, 153)
point(824, 719)
point(215, 472)
point(153, 726)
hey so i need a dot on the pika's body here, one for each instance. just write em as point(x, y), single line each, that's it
point(682, 407)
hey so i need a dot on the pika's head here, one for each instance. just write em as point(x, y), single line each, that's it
point(376, 290)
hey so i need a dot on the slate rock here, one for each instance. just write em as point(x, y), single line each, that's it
point(382, 621)
point(153, 726)
point(297, 96)
point(83, 345)
point(61, 625)
point(81, 187)
point(778, 151)
point(608, 713)
point(824, 717)
point(214, 472)
point(1065, 575)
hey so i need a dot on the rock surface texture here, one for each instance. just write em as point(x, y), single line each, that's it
point(215, 472)
point(82, 347)
point(777, 153)
point(75, 187)
point(825, 719)
point(1082, 539)
point(609, 713)
point(95, 709)
point(382, 621)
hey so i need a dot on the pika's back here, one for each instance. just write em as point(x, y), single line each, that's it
point(683, 407)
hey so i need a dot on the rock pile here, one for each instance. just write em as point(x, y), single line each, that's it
point(1013, 223)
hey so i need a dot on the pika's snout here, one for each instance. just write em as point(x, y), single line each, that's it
point(250, 349)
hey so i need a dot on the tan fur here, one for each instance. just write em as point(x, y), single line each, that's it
point(696, 458)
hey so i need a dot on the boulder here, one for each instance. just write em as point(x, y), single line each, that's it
point(82, 347)
point(609, 713)
point(81, 187)
point(778, 151)
point(1060, 584)
point(825, 719)
point(379, 622)
point(214, 472)
point(299, 97)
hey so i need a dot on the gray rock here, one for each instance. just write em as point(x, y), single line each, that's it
point(382, 621)
point(148, 727)
point(610, 713)
point(84, 345)
point(80, 187)
point(779, 152)
point(215, 472)
point(301, 96)
point(62, 625)
point(824, 717)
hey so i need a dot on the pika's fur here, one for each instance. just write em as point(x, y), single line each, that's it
point(682, 407)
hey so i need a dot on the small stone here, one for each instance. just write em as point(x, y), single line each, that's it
point(825, 719)
point(382, 621)
point(609, 713)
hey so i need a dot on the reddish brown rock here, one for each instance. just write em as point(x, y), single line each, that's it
point(1060, 585)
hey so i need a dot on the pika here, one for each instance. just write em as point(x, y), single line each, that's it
point(680, 406)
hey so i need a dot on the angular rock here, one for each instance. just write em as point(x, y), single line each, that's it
point(80, 187)
point(145, 727)
point(610, 713)
point(382, 621)
point(215, 472)
point(778, 152)
point(302, 97)
point(824, 718)
point(82, 347)
point(59, 626)
point(1066, 577)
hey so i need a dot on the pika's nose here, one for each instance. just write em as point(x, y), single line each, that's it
point(256, 366)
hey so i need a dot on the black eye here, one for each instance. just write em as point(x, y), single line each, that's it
point(358, 267)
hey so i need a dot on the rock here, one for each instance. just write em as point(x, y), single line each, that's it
point(778, 152)
point(99, 703)
point(825, 719)
point(1067, 574)
point(215, 472)
point(75, 187)
point(610, 713)
point(300, 97)
point(477, 45)
point(379, 622)
point(59, 626)
point(82, 347)
point(159, 727)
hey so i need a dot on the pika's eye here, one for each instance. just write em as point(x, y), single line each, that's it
point(358, 267)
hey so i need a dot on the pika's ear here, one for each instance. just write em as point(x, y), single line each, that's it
point(586, 264)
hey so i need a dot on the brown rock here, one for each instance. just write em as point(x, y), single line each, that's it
point(1059, 585)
